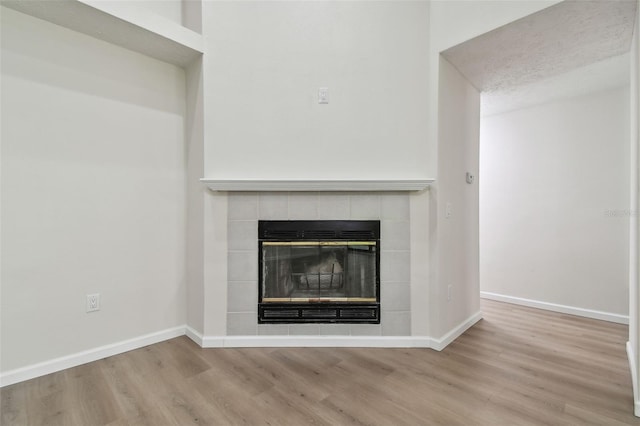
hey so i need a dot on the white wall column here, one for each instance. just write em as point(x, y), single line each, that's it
point(633, 350)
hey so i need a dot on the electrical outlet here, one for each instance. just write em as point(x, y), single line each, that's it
point(93, 302)
point(323, 95)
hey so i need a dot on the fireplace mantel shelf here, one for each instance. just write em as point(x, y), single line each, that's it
point(317, 185)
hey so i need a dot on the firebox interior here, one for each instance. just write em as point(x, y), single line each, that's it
point(315, 271)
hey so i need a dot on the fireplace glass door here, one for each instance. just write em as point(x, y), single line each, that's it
point(319, 271)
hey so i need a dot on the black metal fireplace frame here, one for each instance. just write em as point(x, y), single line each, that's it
point(319, 312)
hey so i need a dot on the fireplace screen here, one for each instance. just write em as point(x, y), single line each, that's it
point(319, 271)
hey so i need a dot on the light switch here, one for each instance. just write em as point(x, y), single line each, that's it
point(323, 95)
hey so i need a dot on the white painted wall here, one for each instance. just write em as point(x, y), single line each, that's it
point(554, 190)
point(268, 61)
point(633, 351)
point(196, 195)
point(454, 22)
point(451, 23)
point(192, 15)
point(167, 9)
point(93, 192)
point(459, 122)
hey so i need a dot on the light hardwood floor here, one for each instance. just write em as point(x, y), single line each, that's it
point(518, 366)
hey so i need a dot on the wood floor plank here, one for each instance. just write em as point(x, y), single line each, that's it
point(517, 366)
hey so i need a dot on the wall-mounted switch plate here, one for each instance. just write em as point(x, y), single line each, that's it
point(93, 302)
point(323, 95)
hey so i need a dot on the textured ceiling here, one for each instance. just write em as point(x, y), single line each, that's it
point(554, 41)
point(607, 74)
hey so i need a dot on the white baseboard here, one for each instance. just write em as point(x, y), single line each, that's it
point(444, 341)
point(308, 341)
point(205, 341)
point(571, 310)
point(36, 370)
point(327, 341)
point(194, 335)
point(334, 341)
point(634, 379)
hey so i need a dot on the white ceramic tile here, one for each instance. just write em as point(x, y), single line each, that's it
point(242, 265)
point(366, 329)
point(394, 206)
point(303, 206)
point(273, 206)
point(395, 297)
point(304, 329)
point(332, 206)
point(242, 324)
point(334, 329)
point(394, 266)
point(365, 206)
point(242, 235)
point(242, 206)
point(396, 324)
point(273, 329)
point(242, 296)
point(394, 235)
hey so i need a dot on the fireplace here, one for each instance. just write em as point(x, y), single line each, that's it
point(319, 271)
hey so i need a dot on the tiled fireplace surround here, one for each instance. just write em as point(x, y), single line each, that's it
point(246, 208)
